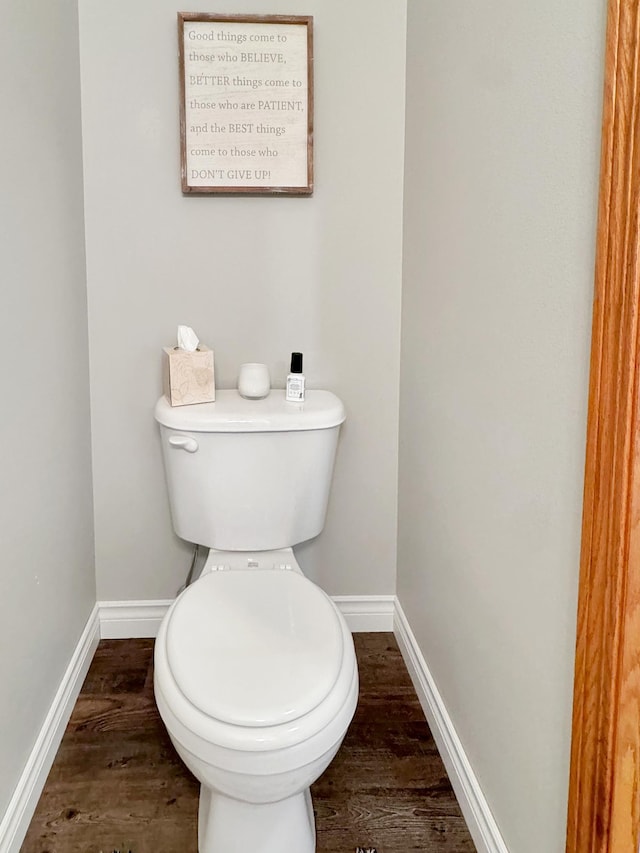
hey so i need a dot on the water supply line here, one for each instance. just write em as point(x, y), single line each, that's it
point(191, 576)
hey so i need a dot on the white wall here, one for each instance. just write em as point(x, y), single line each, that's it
point(256, 277)
point(47, 585)
point(502, 150)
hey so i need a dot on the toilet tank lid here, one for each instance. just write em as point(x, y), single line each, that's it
point(233, 413)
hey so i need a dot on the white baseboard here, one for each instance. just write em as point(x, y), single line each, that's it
point(482, 826)
point(121, 620)
point(367, 612)
point(17, 817)
point(124, 620)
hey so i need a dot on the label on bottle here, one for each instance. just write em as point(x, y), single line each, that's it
point(295, 388)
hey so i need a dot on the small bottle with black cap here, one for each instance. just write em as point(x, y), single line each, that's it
point(295, 380)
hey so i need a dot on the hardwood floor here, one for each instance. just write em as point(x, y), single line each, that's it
point(117, 784)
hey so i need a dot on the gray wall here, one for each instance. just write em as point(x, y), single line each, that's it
point(502, 150)
point(256, 277)
point(47, 585)
point(503, 106)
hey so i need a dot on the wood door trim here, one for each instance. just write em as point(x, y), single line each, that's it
point(603, 814)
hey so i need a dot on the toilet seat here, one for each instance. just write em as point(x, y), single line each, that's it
point(240, 746)
point(254, 648)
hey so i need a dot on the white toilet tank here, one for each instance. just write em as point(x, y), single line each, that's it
point(250, 475)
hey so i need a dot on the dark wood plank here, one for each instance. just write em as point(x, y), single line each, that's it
point(117, 783)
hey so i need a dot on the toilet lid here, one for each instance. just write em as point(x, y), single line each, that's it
point(254, 648)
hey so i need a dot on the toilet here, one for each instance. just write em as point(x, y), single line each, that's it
point(255, 677)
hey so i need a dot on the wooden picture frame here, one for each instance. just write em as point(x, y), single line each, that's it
point(246, 103)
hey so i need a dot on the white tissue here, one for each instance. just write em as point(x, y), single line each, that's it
point(187, 339)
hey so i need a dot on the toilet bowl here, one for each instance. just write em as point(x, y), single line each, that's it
point(256, 681)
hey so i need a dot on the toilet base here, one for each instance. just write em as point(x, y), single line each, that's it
point(226, 825)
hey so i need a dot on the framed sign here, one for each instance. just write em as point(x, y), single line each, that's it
point(246, 103)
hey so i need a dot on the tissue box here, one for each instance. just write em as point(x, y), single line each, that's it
point(188, 376)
